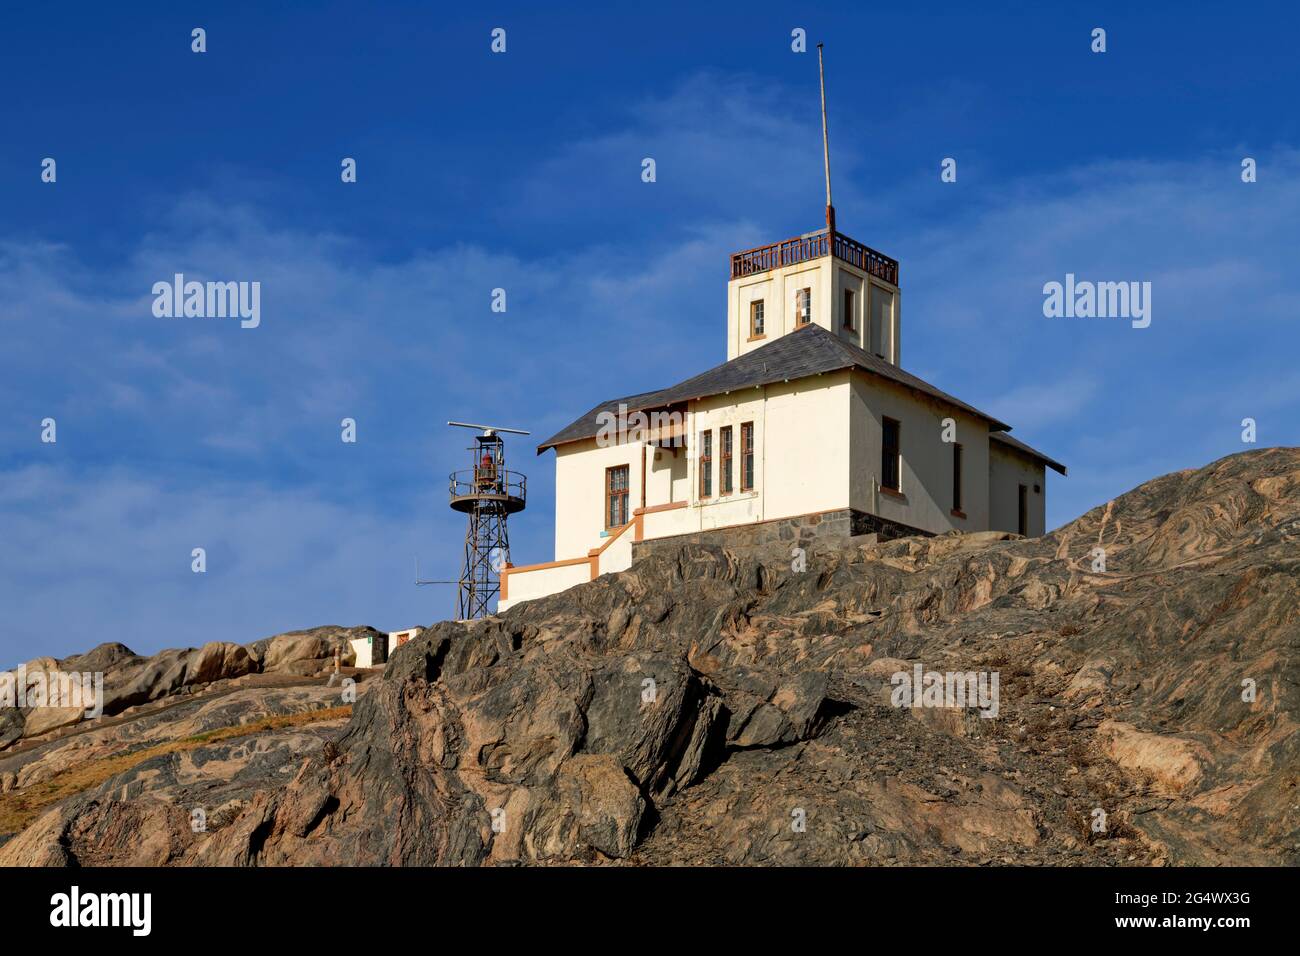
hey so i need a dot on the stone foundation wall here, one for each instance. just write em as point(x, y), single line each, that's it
point(864, 523)
point(801, 531)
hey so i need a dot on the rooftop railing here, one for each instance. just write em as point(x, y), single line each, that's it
point(813, 246)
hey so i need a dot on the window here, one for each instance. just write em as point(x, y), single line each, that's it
point(803, 306)
point(850, 313)
point(889, 455)
point(956, 478)
point(882, 313)
point(706, 464)
point(756, 319)
point(616, 497)
point(724, 460)
point(1022, 518)
point(747, 456)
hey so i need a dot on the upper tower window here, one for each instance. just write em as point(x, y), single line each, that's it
point(850, 310)
point(756, 319)
point(803, 306)
point(882, 315)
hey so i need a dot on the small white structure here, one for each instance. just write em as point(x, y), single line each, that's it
point(397, 638)
point(374, 653)
point(370, 652)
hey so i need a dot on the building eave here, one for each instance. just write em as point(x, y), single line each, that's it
point(1017, 445)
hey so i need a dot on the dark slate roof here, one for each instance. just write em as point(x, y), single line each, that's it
point(810, 350)
point(1032, 453)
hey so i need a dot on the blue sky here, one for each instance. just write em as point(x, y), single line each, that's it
point(522, 171)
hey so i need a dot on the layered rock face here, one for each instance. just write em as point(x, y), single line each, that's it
point(1132, 688)
point(130, 680)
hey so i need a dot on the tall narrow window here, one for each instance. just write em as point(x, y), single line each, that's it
point(889, 455)
point(616, 497)
point(747, 456)
point(756, 319)
point(803, 306)
point(882, 315)
point(706, 464)
point(956, 477)
point(724, 460)
point(1022, 518)
point(850, 310)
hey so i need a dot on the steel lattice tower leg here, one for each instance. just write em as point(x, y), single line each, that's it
point(487, 550)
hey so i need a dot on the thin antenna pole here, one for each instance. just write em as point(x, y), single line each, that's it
point(826, 143)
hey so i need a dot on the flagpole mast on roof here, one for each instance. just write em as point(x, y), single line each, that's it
point(826, 143)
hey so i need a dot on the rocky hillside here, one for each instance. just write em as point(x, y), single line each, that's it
point(130, 681)
point(724, 707)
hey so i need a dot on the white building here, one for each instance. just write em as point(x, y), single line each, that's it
point(369, 652)
point(375, 653)
point(811, 427)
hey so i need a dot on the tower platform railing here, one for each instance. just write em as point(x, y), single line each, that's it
point(489, 485)
point(791, 252)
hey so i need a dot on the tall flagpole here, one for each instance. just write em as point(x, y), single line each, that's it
point(826, 144)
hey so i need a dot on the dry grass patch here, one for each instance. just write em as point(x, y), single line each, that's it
point(19, 808)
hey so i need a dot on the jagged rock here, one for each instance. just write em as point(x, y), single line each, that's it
point(287, 649)
point(43, 719)
point(1174, 763)
point(11, 725)
point(219, 661)
point(157, 677)
point(48, 701)
point(597, 806)
point(105, 657)
point(287, 652)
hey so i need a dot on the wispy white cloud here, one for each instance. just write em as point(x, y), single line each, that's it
point(1035, 406)
point(106, 556)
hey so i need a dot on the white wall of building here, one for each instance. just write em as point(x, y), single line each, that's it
point(580, 492)
point(801, 465)
point(364, 650)
point(739, 507)
point(542, 581)
point(800, 456)
point(805, 451)
point(667, 475)
point(1008, 469)
point(926, 475)
point(397, 638)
